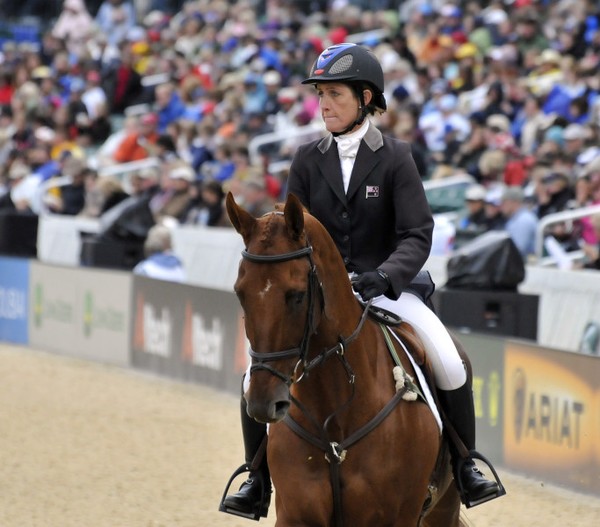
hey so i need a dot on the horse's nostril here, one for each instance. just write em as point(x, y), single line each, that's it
point(282, 407)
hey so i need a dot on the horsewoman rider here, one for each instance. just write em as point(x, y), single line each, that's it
point(366, 190)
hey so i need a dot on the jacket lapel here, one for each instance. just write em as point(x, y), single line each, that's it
point(330, 167)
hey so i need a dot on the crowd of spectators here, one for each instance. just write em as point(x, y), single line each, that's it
point(506, 91)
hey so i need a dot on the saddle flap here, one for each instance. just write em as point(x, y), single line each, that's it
point(413, 343)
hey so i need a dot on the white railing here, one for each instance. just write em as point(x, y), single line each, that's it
point(449, 181)
point(559, 217)
point(277, 137)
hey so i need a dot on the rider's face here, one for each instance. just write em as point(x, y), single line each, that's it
point(339, 105)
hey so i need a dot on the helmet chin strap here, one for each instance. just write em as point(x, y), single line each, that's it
point(358, 121)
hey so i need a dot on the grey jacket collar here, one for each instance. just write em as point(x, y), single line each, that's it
point(372, 138)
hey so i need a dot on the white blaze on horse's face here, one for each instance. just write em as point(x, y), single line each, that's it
point(262, 294)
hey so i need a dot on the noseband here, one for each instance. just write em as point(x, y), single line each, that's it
point(314, 287)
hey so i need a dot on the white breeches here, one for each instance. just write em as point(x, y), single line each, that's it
point(448, 368)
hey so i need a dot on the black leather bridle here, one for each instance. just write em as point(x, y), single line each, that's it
point(314, 288)
point(261, 359)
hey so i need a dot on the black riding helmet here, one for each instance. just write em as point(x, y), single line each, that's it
point(355, 66)
point(352, 64)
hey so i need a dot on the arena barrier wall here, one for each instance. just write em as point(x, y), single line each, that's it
point(211, 256)
point(537, 407)
point(188, 333)
point(83, 313)
point(14, 296)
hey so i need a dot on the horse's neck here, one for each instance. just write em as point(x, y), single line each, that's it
point(352, 369)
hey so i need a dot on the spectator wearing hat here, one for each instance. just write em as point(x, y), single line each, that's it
point(160, 262)
point(475, 221)
point(552, 142)
point(555, 194)
point(469, 68)
point(576, 136)
point(140, 143)
point(546, 75)
point(174, 197)
point(521, 223)
point(493, 200)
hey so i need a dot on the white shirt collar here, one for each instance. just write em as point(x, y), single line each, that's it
point(348, 143)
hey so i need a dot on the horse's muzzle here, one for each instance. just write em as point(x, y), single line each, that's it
point(268, 408)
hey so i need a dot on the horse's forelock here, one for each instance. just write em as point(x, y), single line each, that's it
point(271, 226)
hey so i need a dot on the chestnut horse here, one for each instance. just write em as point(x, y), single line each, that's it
point(344, 447)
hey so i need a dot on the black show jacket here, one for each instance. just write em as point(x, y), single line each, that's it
point(384, 221)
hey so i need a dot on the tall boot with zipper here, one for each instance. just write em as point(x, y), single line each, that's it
point(254, 496)
point(458, 407)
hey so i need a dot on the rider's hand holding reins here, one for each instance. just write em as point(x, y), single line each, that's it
point(371, 284)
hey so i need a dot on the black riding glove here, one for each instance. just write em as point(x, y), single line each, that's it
point(371, 284)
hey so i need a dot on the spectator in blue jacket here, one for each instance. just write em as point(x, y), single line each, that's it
point(160, 262)
point(521, 223)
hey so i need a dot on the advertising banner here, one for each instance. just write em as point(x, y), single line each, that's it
point(187, 332)
point(14, 310)
point(552, 415)
point(486, 354)
point(80, 312)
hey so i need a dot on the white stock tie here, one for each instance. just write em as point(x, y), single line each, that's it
point(348, 146)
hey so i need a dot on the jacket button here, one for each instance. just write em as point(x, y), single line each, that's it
point(346, 260)
point(344, 214)
point(346, 238)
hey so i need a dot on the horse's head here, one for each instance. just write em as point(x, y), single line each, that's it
point(280, 293)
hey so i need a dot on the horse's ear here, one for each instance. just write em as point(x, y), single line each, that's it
point(294, 216)
point(241, 220)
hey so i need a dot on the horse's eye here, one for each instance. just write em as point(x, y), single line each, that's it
point(295, 298)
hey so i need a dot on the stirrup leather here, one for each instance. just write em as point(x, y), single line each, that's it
point(259, 510)
point(473, 454)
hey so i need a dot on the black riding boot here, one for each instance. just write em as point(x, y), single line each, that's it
point(254, 497)
point(458, 407)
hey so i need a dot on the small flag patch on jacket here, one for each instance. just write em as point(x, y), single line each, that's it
point(372, 191)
